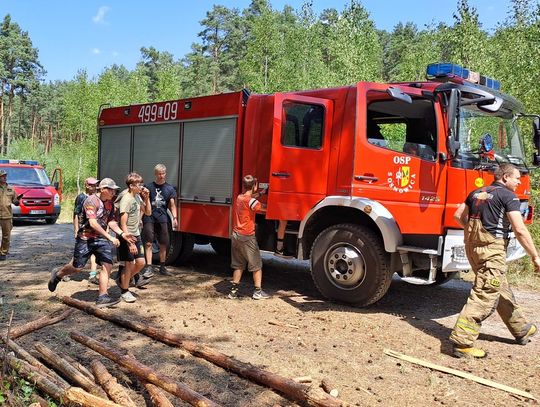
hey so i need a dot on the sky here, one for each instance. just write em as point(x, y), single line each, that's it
point(87, 34)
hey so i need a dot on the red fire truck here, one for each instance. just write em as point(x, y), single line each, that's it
point(41, 198)
point(367, 176)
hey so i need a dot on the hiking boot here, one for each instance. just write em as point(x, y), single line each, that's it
point(469, 352)
point(128, 297)
point(163, 271)
point(260, 295)
point(139, 281)
point(147, 271)
point(525, 339)
point(54, 280)
point(104, 301)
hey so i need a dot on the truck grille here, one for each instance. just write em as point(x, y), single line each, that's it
point(37, 202)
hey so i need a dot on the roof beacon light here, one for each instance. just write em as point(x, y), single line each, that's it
point(447, 70)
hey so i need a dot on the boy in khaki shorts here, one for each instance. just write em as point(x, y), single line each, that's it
point(244, 247)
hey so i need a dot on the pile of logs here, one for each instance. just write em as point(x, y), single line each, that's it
point(69, 382)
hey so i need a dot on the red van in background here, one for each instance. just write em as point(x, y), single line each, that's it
point(41, 198)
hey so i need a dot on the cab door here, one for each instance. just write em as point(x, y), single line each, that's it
point(300, 155)
point(397, 160)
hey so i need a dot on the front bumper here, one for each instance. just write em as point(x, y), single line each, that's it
point(29, 215)
point(455, 259)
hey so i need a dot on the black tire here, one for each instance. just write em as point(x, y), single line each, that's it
point(221, 246)
point(349, 264)
point(51, 221)
point(187, 241)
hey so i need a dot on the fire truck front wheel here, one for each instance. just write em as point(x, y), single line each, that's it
point(349, 264)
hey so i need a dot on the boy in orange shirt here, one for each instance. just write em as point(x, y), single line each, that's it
point(244, 247)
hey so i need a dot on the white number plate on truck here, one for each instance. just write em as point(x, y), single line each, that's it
point(38, 212)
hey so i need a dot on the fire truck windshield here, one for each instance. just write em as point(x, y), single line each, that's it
point(26, 176)
point(474, 124)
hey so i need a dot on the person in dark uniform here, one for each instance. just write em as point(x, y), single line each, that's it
point(488, 215)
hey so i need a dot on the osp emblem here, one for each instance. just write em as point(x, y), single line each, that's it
point(401, 180)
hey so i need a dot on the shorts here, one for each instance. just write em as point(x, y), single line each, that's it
point(245, 252)
point(152, 230)
point(99, 247)
point(125, 255)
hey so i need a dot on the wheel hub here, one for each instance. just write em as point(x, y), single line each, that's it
point(345, 266)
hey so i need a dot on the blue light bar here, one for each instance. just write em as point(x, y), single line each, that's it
point(448, 70)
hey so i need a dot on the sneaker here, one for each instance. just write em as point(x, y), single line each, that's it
point(525, 339)
point(93, 280)
point(469, 352)
point(104, 301)
point(128, 297)
point(53, 281)
point(147, 271)
point(233, 294)
point(260, 295)
point(139, 281)
point(163, 271)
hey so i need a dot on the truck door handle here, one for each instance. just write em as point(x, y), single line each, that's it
point(281, 174)
point(366, 178)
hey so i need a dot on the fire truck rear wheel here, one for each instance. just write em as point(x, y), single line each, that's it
point(221, 246)
point(349, 264)
point(180, 248)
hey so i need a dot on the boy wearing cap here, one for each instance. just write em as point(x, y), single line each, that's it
point(8, 196)
point(90, 185)
point(93, 238)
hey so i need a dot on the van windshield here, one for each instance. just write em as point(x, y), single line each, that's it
point(26, 176)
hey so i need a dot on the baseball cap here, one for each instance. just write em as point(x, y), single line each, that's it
point(108, 183)
point(91, 181)
point(3, 172)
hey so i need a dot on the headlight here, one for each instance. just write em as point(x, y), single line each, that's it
point(56, 199)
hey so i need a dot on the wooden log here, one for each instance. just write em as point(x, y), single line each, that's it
point(60, 364)
point(329, 387)
point(459, 373)
point(80, 367)
point(303, 379)
point(39, 323)
point(312, 396)
point(116, 392)
point(71, 396)
point(41, 368)
point(146, 373)
point(157, 397)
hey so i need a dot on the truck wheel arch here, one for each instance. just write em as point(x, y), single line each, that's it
point(339, 209)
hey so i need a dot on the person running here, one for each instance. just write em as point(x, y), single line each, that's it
point(162, 196)
point(244, 248)
point(131, 208)
point(93, 238)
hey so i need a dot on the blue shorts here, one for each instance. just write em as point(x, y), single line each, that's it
point(101, 248)
point(125, 255)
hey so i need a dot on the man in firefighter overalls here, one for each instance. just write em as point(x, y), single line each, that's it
point(487, 217)
point(7, 197)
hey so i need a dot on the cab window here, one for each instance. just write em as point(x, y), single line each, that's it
point(403, 127)
point(303, 125)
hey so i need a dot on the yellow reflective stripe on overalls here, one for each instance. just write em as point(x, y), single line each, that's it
point(466, 326)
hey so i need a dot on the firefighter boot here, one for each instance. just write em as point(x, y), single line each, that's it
point(525, 339)
point(469, 352)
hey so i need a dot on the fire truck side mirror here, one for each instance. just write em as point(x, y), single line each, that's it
point(536, 141)
point(452, 109)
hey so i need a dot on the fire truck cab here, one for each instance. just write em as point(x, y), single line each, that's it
point(367, 176)
point(41, 198)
